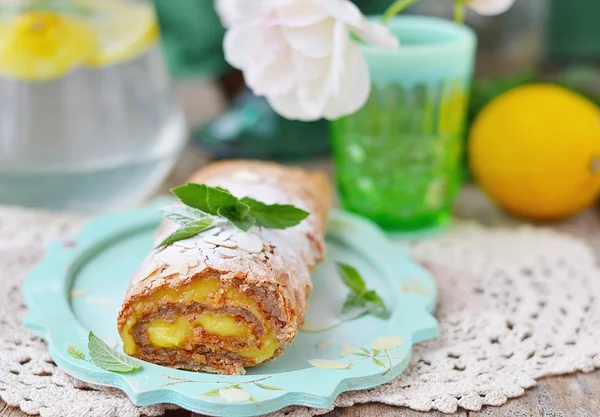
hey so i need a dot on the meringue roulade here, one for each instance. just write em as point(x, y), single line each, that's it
point(224, 299)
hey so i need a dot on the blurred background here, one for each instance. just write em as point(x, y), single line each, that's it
point(536, 40)
point(85, 132)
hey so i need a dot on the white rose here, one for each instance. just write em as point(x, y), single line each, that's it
point(490, 7)
point(299, 54)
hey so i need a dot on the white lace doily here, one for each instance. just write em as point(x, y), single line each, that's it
point(514, 306)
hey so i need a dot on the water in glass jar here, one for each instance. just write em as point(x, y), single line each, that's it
point(95, 137)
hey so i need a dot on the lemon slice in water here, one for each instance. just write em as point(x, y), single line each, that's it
point(43, 45)
point(124, 30)
point(39, 46)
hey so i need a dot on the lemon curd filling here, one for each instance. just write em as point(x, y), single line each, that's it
point(165, 334)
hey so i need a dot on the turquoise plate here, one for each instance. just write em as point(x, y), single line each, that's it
point(80, 285)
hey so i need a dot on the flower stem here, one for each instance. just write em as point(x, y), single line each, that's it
point(459, 12)
point(396, 7)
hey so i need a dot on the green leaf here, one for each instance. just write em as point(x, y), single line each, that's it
point(359, 297)
point(183, 214)
point(204, 198)
point(361, 354)
point(275, 216)
point(234, 211)
point(376, 352)
point(365, 350)
point(375, 305)
point(378, 363)
point(267, 387)
point(188, 230)
point(212, 393)
point(353, 301)
point(107, 358)
point(75, 352)
point(351, 278)
point(239, 215)
point(244, 213)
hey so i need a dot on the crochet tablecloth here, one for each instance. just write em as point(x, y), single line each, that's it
point(515, 305)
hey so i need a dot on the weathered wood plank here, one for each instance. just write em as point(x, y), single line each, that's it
point(179, 413)
point(382, 410)
point(8, 411)
point(562, 396)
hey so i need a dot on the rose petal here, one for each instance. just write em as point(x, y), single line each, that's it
point(233, 11)
point(244, 46)
point(341, 41)
point(288, 106)
point(490, 7)
point(313, 95)
point(355, 86)
point(315, 41)
point(300, 14)
point(376, 34)
point(276, 78)
point(342, 10)
point(308, 68)
point(370, 32)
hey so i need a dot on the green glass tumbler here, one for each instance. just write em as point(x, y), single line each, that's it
point(399, 159)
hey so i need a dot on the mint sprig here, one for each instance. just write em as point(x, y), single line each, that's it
point(104, 356)
point(361, 300)
point(202, 203)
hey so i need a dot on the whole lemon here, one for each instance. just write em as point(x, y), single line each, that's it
point(535, 150)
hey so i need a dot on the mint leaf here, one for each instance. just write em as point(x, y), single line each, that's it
point(275, 216)
point(244, 213)
point(187, 230)
point(204, 198)
point(107, 358)
point(352, 302)
point(239, 215)
point(375, 305)
point(183, 214)
point(360, 300)
point(351, 277)
point(75, 352)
